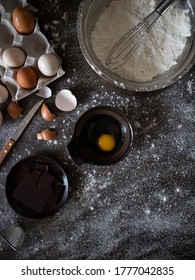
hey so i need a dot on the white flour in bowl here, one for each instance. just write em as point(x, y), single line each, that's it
point(158, 53)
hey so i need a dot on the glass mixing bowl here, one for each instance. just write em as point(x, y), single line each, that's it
point(89, 13)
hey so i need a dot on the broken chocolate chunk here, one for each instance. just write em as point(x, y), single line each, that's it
point(26, 181)
point(44, 194)
point(34, 189)
point(54, 197)
point(19, 193)
point(35, 175)
point(43, 186)
point(42, 167)
point(38, 205)
point(31, 201)
point(46, 178)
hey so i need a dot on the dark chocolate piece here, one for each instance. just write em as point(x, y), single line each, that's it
point(46, 178)
point(43, 186)
point(26, 181)
point(19, 193)
point(33, 202)
point(54, 197)
point(42, 167)
point(34, 189)
point(35, 175)
point(38, 205)
point(28, 199)
point(44, 194)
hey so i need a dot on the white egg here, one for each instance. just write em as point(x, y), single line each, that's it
point(65, 100)
point(3, 94)
point(1, 118)
point(48, 64)
point(14, 57)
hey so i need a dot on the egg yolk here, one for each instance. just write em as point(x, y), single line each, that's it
point(106, 142)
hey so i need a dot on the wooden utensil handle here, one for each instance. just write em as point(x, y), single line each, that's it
point(3, 153)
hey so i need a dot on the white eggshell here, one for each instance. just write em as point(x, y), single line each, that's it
point(3, 94)
point(1, 118)
point(14, 57)
point(48, 64)
point(44, 92)
point(65, 100)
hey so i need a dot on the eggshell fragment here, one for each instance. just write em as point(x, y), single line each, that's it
point(1, 118)
point(27, 77)
point(46, 135)
point(44, 92)
point(48, 64)
point(46, 114)
point(65, 100)
point(14, 110)
point(3, 94)
point(23, 20)
point(14, 57)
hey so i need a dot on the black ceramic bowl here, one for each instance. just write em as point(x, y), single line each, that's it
point(36, 187)
point(92, 124)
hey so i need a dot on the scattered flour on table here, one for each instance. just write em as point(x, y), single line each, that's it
point(162, 47)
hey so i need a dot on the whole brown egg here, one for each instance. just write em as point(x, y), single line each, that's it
point(23, 20)
point(27, 77)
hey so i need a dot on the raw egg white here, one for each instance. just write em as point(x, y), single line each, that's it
point(65, 100)
point(48, 64)
point(14, 57)
point(3, 94)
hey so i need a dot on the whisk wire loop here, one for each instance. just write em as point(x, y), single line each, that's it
point(127, 45)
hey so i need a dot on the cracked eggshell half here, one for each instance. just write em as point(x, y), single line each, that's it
point(44, 92)
point(65, 100)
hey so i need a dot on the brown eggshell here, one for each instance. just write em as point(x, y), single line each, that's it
point(14, 110)
point(46, 135)
point(39, 136)
point(46, 114)
point(23, 20)
point(27, 77)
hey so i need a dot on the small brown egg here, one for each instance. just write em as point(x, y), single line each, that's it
point(27, 77)
point(14, 110)
point(46, 114)
point(46, 135)
point(23, 20)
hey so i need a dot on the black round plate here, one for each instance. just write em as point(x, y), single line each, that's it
point(18, 193)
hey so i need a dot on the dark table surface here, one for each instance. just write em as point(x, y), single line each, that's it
point(140, 208)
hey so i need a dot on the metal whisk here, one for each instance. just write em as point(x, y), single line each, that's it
point(126, 46)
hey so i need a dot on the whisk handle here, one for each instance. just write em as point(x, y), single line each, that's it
point(163, 6)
